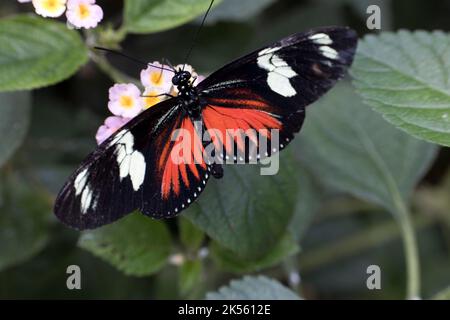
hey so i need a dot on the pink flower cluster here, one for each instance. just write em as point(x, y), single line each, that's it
point(126, 100)
point(80, 13)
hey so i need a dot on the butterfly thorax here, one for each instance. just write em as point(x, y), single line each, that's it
point(187, 92)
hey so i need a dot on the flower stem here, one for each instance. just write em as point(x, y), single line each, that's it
point(402, 215)
point(109, 70)
point(411, 250)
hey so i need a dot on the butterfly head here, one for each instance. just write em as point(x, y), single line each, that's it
point(181, 78)
point(185, 85)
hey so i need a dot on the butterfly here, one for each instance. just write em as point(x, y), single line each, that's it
point(266, 90)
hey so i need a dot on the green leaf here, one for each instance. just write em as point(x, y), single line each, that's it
point(253, 288)
point(246, 212)
point(24, 220)
point(404, 76)
point(351, 148)
point(147, 16)
point(189, 275)
point(227, 259)
point(308, 202)
point(14, 121)
point(191, 237)
point(37, 52)
point(136, 245)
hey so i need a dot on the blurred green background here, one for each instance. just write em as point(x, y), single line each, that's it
point(341, 234)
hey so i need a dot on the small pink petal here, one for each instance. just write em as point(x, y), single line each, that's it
point(125, 100)
point(153, 78)
point(83, 13)
point(110, 126)
point(199, 79)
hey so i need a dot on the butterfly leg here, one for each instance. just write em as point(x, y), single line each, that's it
point(217, 170)
point(167, 95)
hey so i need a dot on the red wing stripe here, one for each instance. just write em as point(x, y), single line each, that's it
point(176, 162)
point(175, 178)
point(229, 123)
point(196, 146)
point(214, 121)
point(166, 181)
point(224, 119)
point(184, 174)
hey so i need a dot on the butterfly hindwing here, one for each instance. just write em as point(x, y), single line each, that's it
point(270, 88)
point(180, 167)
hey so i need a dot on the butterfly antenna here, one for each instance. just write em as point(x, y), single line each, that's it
point(131, 58)
point(167, 62)
point(197, 33)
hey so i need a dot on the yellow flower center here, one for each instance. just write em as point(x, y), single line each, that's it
point(151, 99)
point(49, 8)
point(126, 102)
point(156, 78)
point(83, 11)
point(51, 5)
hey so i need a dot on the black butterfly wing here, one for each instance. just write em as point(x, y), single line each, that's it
point(270, 88)
point(129, 171)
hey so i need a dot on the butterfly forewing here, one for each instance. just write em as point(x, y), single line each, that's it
point(128, 172)
point(270, 88)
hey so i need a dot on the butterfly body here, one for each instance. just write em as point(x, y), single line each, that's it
point(148, 166)
point(187, 93)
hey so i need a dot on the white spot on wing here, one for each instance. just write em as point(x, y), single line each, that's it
point(329, 52)
point(279, 72)
point(82, 187)
point(280, 84)
point(128, 141)
point(124, 167)
point(86, 199)
point(286, 72)
point(131, 162)
point(264, 62)
point(80, 181)
point(268, 50)
point(94, 205)
point(121, 154)
point(321, 38)
point(117, 138)
point(137, 170)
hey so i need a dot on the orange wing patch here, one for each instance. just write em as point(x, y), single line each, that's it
point(224, 125)
point(182, 156)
